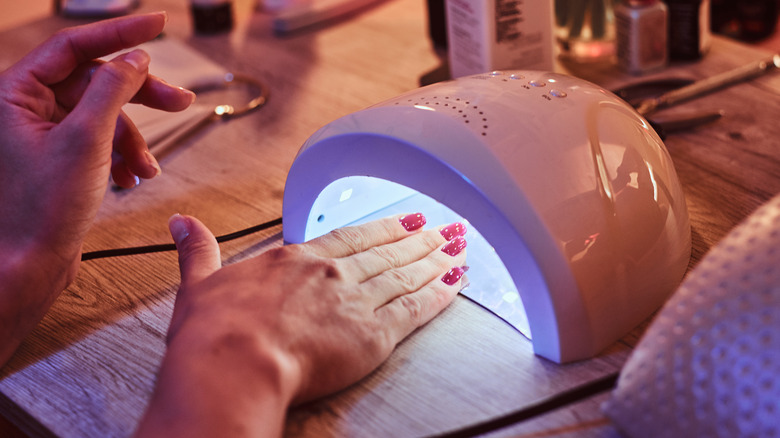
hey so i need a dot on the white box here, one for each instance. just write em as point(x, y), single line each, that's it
point(486, 35)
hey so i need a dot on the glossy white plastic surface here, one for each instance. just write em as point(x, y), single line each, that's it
point(574, 191)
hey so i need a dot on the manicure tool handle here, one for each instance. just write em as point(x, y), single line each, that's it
point(710, 84)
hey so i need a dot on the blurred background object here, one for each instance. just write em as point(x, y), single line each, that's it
point(212, 16)
point(641, 35)
point(437, 24)
point(15, 13)
point(689, 28)
point(585, 29)
point(94, 8)
point(746, 20)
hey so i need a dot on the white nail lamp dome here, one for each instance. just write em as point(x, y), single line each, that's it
point(578, 228)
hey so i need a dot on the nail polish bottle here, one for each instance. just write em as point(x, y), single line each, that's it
point(689, 28)
point(641, 35)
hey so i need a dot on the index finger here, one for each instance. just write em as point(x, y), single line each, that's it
point(343, 242)
point(55, 59)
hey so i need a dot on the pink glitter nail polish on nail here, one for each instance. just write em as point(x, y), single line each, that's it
point(413, 221)
point(455, 246)
point(453, 276)
point(453, 230)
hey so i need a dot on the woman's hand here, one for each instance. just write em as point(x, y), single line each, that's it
point(61, 133)
point(294, 323)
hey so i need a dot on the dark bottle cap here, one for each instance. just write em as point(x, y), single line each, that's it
point(212, 18)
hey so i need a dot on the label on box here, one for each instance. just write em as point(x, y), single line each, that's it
point(499, 35)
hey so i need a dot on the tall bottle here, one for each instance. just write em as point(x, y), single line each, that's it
point(689, 28)
point(490, 35)
point(641, 35)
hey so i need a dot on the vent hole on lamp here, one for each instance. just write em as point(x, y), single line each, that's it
point(465, 108)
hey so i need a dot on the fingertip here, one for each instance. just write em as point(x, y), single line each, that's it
point(454, 246)
point(454, 275)
point(112, 85)
point(122, 176)
point(412, 222)
point(199, 254)
point(453, 230)
point(153, 163)
point(189, 94)
point(179, 227)
point(157, 93)
point(137, 58)
point(164, 15)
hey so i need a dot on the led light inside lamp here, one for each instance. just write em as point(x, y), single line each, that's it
point(578, 226)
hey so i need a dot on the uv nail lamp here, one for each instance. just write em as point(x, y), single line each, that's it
point(578, 228)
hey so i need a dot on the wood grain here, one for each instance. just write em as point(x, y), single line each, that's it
point(89, 367)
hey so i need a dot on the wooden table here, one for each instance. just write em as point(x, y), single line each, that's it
point(89, 368)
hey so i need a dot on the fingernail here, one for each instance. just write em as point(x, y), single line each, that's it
point(138, 59)
point(453, 275)
point(452, 230)
point(455, 246)
point(190, 93)
point(153, 162)
point(179, 227)
point(413, 221)
point(464, 283)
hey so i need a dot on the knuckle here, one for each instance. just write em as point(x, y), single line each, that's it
point(387, 253)
point(194, 248)
point(442, 296)
point(284, 253)
point(433, 239)
point(379, 344)
point(414, 307)
point(61, 41)
point(330, 268)
point(403, 279)
point(304, 261)
point(350, 237)
point(113, 74)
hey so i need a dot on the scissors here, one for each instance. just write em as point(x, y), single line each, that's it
point(648, 97)
point(637, 93)
point(256, 96)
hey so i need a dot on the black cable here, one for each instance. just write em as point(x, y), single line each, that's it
point(172, 247)
point(543, 406)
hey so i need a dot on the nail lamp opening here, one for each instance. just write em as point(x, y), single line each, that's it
point(578, 228)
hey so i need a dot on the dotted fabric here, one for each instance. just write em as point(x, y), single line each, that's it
point(709, 365)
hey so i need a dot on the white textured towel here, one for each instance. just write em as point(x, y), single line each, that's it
point(709, 365)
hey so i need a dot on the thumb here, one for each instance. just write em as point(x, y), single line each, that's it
point(112, 85)
point(199, 254)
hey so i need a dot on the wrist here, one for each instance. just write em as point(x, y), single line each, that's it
point(231, 383)
point(31, 278)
